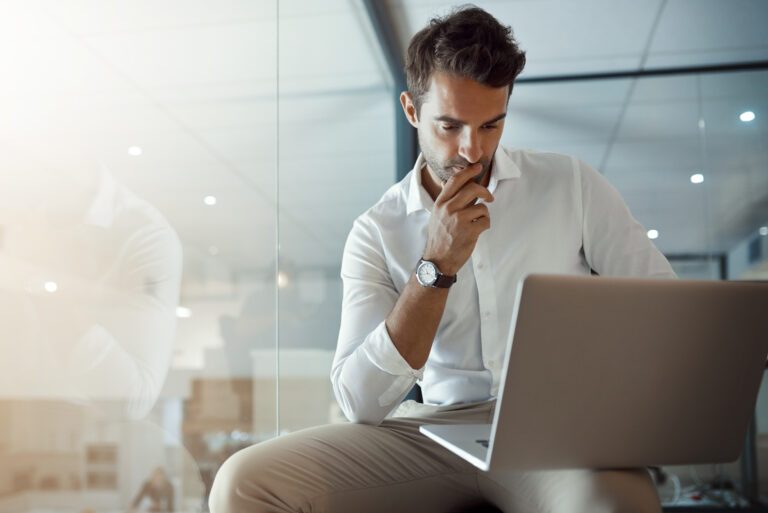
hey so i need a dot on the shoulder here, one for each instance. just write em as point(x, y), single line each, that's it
point(372, 230)
point(144, 229)
point(389, 210)
point(544, 166)
point(135, 214)
point(541, 161)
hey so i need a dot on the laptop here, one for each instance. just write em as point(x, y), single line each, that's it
point(616, 373)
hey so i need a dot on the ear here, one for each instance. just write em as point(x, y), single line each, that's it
point(409, 108)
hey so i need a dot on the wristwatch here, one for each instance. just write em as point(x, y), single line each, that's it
point(430, 276)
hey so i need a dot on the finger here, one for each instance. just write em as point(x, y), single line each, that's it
point(457, 181)
point(473, 212)
point(482, 224)
point(478, 224)
point(467, 196)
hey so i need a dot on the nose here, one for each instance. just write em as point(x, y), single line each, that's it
point(469, 147)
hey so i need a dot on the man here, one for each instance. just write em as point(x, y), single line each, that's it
point(429, 276)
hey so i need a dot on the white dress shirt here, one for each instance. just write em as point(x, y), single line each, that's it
point(552, 214)
point(89, 284)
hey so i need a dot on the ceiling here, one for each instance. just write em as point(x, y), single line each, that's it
point(285, 112)
point(564, 37)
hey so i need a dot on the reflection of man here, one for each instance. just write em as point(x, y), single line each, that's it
point(89, 284)
point(159, 490)
point(429, 274)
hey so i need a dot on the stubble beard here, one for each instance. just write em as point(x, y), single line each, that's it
point(443, 169)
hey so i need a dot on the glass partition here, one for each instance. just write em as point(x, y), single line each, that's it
point(176, 190)
point(336, 158)
point(138, 220)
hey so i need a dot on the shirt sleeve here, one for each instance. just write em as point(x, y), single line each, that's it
point(369, 375)
point(614, 243)
point(126, 353)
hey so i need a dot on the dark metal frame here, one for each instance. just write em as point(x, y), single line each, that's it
point(406, 141)
point(722, 259)
point(639, 73)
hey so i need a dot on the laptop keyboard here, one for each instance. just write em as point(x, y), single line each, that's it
point(484, 443)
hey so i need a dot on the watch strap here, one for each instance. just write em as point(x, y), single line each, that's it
point(443, 281)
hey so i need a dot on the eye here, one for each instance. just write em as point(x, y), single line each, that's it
point(491, 127)
point(449, 128)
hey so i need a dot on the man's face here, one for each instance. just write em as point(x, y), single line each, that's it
point(460, 123)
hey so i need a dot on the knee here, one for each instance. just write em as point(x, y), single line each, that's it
point(224, 486)
point(231, 486)
point(260, 478)
point(626, 491)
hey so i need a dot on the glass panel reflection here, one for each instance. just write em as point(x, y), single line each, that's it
point(336, 158)
point(137, 224)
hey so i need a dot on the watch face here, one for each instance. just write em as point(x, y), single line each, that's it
point(427, 273)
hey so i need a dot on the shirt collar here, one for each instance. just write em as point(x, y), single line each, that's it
point(418, 198)
point(503, 168)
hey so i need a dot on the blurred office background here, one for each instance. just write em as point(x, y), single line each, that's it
point(177, 180)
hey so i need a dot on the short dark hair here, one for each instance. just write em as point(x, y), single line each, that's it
point(469, 43)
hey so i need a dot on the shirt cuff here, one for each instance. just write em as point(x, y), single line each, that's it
point(381, 351)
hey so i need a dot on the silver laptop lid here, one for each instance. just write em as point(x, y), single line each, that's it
point(606, 372)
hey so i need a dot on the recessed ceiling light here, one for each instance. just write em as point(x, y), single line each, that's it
point(697, 178)
point(763, 230)
point(50, 286)
point(135, 151)
point(282, 279)
point(213, 250)
point(747, 116)
point(653, 234)
point(210, 200)
point(183, 312)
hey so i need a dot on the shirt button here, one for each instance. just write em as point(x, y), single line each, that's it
point(487, 315)
point(480, 265)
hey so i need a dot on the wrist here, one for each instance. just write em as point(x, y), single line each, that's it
point(429, 274)
point(442, 264)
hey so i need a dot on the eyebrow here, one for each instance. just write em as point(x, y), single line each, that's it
point(453, 121)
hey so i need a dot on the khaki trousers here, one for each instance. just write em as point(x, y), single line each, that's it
point(392, 467)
